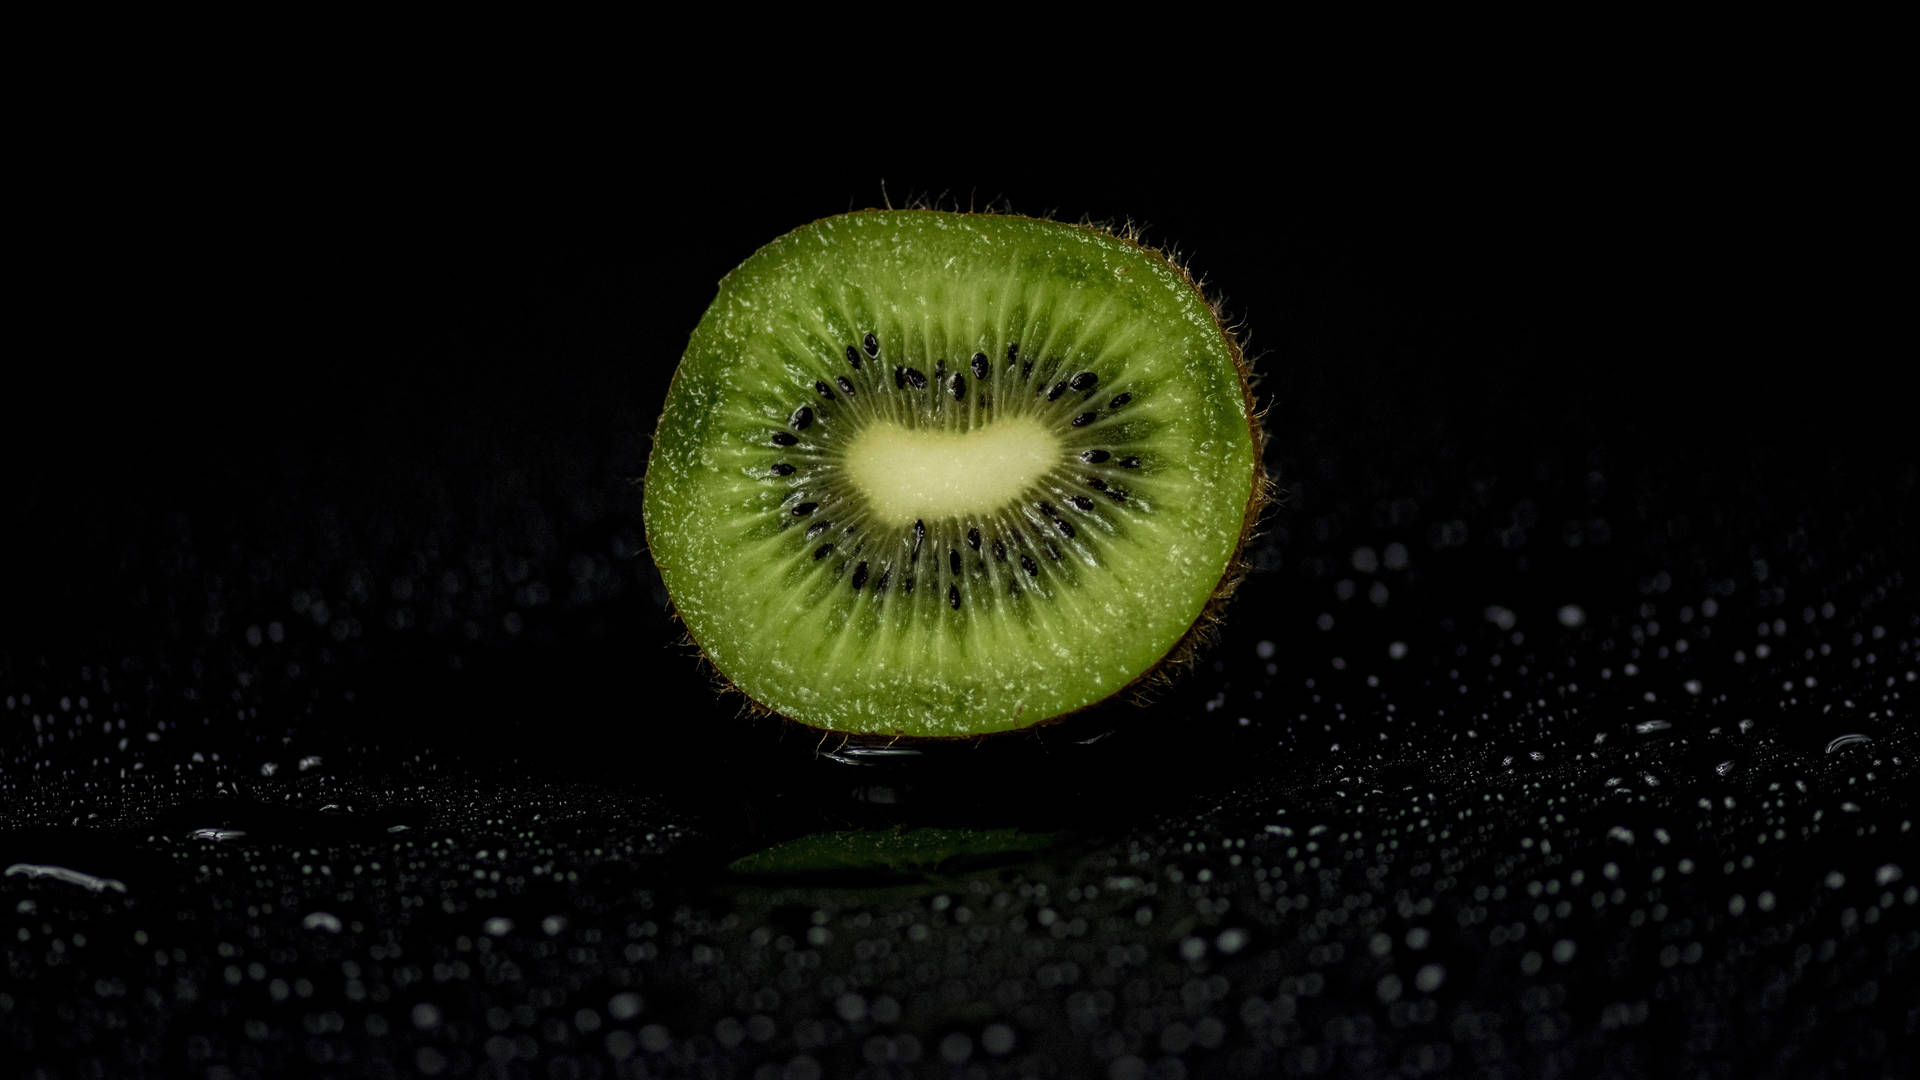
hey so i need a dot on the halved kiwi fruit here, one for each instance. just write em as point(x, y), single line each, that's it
point(932, 474)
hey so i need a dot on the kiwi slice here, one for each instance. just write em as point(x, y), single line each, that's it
point(932, 474)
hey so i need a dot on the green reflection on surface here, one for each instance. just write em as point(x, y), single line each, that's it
point(895, 850)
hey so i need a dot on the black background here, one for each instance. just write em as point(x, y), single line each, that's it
point(325, 498)
point(281, 360)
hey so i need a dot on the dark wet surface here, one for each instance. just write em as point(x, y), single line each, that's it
point(1565, 725)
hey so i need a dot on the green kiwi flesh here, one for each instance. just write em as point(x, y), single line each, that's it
point(930, 474)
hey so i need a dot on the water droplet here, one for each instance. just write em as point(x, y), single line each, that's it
point(215, 834)
point(997, 1039)
point(956, 1048)
point(36, 871)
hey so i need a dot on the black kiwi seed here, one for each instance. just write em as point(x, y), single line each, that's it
point(1065, 527)
point(1119, 400)
point(1117, 495)
point(860, 572)
point(900, 377)
point(919, 534)
point(1096, 483)
point(1032, 568)
point(957, 386)
point(846, 385)
point(819, 527)
point(914, 377)
point(1129, 462)
point(906, 584)
point(1083, 419)
point(805, 508)
point(1085, 380)
point(1047, 509)
point(781, 468)
point(953, 597)
point(784, 438)
point(1026, 369)
point(825, 391)
point(953, 560)
point(1058, 389)
point(999, 551)
point(1013, 353)
point(802, 416)
point(1080, 502)
point(979, 365)
point(853, 357)
point(973, 539)
point(822, 552)
point(872, 345)
point(940, 370)
point(1094, 457)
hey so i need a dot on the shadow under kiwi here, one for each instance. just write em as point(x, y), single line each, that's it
point(1097, 772)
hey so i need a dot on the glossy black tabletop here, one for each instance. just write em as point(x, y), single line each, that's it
point(1565, 725)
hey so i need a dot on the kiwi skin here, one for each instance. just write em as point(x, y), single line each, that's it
point(1199, 636)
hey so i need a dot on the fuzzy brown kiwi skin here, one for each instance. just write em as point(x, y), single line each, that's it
point(1199, 637)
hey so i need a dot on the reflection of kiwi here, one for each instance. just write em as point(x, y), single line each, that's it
point(897, 850)
point(932, 474)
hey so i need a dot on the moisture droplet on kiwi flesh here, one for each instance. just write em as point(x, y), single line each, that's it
point(929, 474)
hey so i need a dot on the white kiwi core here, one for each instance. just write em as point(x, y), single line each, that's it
point(908, 474)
